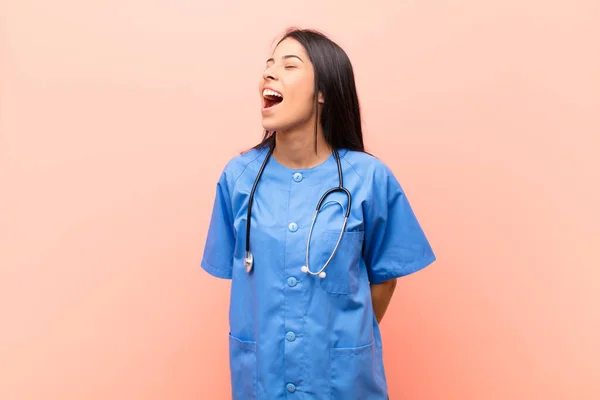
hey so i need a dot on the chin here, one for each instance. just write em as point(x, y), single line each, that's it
point(270, 125)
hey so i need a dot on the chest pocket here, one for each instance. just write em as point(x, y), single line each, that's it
point(343, 271)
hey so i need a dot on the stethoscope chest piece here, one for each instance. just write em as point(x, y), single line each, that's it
point(321, 274)
point(249, 262)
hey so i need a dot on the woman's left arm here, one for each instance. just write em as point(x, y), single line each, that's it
point(394, 244)
point(381, 294)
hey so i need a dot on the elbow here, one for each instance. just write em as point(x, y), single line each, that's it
point(392, 284)
point(389, 285)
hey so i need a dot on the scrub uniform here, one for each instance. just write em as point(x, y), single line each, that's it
point(294, 335)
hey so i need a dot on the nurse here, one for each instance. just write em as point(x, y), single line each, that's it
point(295, 333)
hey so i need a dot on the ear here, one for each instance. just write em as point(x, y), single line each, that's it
point(320, 98)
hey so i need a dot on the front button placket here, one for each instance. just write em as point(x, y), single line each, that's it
point(295, 293)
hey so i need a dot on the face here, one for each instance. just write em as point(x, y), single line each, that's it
point(287, 88)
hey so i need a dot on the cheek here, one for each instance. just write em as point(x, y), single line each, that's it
point(301, 106)
point(303, 97)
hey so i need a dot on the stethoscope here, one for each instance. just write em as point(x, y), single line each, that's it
point(249, 260)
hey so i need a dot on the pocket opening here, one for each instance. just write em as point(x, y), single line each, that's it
point(357, 373)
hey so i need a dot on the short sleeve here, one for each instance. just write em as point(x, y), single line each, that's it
point(217, 259)
point(395, 244)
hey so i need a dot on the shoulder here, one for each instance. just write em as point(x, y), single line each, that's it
point(370, 169)
point(239, 165)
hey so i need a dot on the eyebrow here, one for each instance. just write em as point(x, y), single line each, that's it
point(285, 58)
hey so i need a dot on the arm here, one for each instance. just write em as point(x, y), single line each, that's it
point(381, 294)
point(395, 245)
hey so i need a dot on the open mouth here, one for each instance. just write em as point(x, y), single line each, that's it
point(271, 98)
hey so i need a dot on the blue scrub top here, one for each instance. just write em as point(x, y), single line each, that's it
point(293, 335)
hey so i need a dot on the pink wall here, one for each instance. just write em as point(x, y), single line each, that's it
point(117, 116)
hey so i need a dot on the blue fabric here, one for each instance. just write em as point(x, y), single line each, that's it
point(293, 335)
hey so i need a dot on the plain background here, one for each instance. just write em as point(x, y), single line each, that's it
point(117, 116)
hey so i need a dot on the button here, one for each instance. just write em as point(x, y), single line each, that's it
point(290, 387)
point(293, 227)
point(292, 281)
point(297, 176)
point(290, 336)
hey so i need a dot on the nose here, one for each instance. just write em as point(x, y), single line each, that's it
point(268, 74)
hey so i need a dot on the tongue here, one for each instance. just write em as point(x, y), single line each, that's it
point(272, 100)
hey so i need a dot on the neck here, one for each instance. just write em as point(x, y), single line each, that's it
point(296, 149)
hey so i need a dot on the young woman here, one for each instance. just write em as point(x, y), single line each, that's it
point(307, 295)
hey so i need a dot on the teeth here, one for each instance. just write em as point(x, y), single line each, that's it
point(269, 92)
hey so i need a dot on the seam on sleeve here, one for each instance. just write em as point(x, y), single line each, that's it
point(245, 168)
point(404, 270)
point(223, 273)
point(354, 169)
point(365, 183)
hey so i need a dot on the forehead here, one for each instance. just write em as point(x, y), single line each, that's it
point(289, 46)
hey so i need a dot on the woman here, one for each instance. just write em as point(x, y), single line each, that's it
point(298, 331)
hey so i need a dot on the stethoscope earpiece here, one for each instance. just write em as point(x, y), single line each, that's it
point(321, 274)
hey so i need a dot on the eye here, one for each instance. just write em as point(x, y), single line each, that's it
point(290, 66)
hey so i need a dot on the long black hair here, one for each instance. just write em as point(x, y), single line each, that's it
point(334, 78)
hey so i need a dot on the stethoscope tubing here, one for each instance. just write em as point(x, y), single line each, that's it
point(249, 259)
